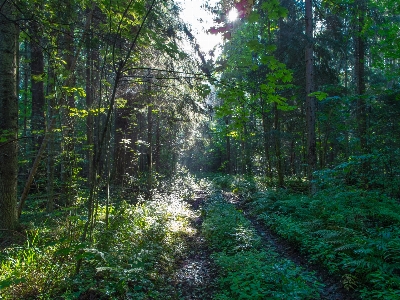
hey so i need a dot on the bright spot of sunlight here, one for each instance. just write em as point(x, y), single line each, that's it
point(233, 15)
point(200, 21)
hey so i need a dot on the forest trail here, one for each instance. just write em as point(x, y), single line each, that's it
point(332, 287)
point(195, 274)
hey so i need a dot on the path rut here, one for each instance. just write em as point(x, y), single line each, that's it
point(333, 288)
point(195, 276)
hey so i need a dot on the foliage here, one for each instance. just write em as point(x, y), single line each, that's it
point(248, 269)
point(132, 257)
point(239, 184)
point(352, 232)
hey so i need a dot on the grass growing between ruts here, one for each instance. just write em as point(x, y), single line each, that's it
point(249, 269)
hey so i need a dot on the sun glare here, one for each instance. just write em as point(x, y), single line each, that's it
point(233, 15)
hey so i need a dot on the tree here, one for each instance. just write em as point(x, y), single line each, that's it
point(8, 116)
point(310, 99)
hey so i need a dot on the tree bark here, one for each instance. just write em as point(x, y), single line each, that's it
point(37, 86)
point(68, 131)
point(359, 69)
point(278, 151)
point(228, 149)
point(90, 53)
point(310, 101)
point(149, 141)
point(8, 117)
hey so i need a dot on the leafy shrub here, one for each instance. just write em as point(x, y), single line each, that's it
point(131, 258)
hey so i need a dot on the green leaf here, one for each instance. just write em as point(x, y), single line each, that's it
point(253, 17)
point(10, 281)
point(319, 95)
point(255, 45)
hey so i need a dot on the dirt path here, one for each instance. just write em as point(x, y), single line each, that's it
point(333, 288)
point(195, 276)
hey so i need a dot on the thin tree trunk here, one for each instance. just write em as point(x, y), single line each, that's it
point(68, 144)
point(90, 58)
point(266, 145)
point(278, 150)
point(360, 76)
point(149, 142)
point(157, 148)
point(310, 101)
point(228, 150)
point(37, 86)
point(50, 147)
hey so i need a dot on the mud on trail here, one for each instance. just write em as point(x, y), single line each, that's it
point(195, 275)
point(333, 288)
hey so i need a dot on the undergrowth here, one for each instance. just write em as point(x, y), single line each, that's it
point(249, 269)
point(354, 233)
point(131, 258)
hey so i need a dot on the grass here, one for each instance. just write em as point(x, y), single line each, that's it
point(132, 258)
point(249, 269)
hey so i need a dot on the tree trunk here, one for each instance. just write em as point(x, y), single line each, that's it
point(228, 149)
point(278, 150)
point(8, 117)
point(360, 76)
point(310, 101)
point(90, 58)
point(149, 142)
point(37, 86)
point(50, 147)
point(122, 157)
point(68, 145)
point(157, 148)
point(266, 145)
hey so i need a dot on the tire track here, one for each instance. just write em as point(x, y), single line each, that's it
point(194, 278)
point(333, 288)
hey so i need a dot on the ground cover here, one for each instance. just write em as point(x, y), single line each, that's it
point(248, 268)
point(136, 256)
point(352, 233)
point(194, 240)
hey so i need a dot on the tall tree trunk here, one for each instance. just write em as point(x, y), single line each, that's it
point(278, 150)
point(37, 86)
point(149, 141)
point(68, 148)
point(266, 135)
point(122, 157)
point(360, 75)
point(90, 81)
point(8, 117)
point(361, 88)
point(51, 111)
point(228, 150)
point(157, 148)
point(310, 101)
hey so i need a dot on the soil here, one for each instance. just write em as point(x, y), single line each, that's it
point(196, 273)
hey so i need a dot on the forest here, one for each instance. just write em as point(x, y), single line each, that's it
point(136, 165)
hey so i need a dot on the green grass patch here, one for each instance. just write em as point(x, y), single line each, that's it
point(249, 269)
